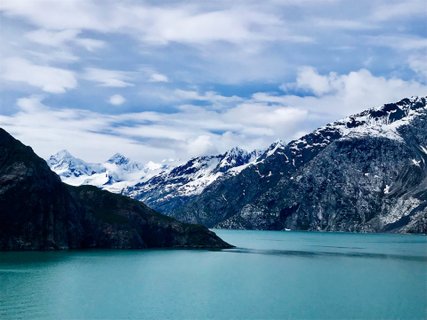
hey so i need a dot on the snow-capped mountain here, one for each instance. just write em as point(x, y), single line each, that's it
point(151, 181)
point(177, 185)
point(115, 174)
point(69, 167)
point(367, 172)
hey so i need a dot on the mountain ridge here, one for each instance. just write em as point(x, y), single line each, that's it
point(39, 212)
point(213, 198)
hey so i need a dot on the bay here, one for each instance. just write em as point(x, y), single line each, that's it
point(269, 275)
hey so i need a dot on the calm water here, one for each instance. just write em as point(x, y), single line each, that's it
point(271, 275)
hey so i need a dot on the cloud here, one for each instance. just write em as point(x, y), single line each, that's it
point(342, 24)
point(201, 72)
point(158, 77)
point(145, 136)
point(210, 96)
point(116, 100)
point(108, 78)
point(395, 10)
point(219, 124)
point(418, 63)
point(186, 23)
point(61, 38)
point(344, 94)
point(228, 42)
point(309, 79)
point(49, 79)
point(202, 145)
point(399, 42)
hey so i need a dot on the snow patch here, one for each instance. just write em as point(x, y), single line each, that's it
point(386, 189)
point(416, 162)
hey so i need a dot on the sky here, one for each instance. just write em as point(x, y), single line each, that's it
point(159, 80)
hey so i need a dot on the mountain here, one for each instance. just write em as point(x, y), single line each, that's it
point(365, 173)
point(159, 185)
point(170, 189)
point(115, 174)
point(68, 166)
point(38, 211)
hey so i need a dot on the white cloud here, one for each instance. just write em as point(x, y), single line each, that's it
point(52, 38)
point(152, 135)
point(62, 38)
point(116, 100)
point(108, 78)
point(201, 145)
point(49, 79)
point(342, 24)
point(89, 44)
point(418, 63)
point(185, 23)
point(158, 77)
point(399, 9)
point(340, 95)
point(309, 79)
point(191, 130)
point(210, 96)
point(244, 43)
point(399, 42)
point(220, 41)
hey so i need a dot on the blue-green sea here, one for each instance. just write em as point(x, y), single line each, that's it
point(269, 275)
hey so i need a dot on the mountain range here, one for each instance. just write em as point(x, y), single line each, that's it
point(39, 212)
point(364, 173)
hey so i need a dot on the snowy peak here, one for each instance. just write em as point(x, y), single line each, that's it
point(63, 154)
point(66, 165)
point(118, 159)
point(62, 157)
point(192, 177)
point(383, 121)
point(115, 174)
point(233, 158)
point(276, 146)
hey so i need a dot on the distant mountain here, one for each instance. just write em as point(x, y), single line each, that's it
point(367, 172)
point(115, 174)
point(169, 189)
point(67, 166)
point(160, 185)
point(38, 211)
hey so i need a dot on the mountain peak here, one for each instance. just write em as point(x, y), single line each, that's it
point(61, 158)
point(62, 154)
point(118, 159)
point(235, 152)
point(278, 144)
point(382, 121)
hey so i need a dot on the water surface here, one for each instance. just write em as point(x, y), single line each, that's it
point(270, 275)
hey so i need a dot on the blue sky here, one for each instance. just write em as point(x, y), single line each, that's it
point(175, 79)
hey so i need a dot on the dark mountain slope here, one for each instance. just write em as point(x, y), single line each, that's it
point(38, 211)
point(364, 173)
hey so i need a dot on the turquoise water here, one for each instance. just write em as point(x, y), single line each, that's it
point(270, 275)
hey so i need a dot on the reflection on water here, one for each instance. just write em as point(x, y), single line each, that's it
point(319, 254)
point(269, 275)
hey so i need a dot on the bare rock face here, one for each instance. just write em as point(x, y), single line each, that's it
point(39, 212)
point(365, 173)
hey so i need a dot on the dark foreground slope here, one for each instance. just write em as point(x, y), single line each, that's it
point(365, 173)
point(38, 211)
